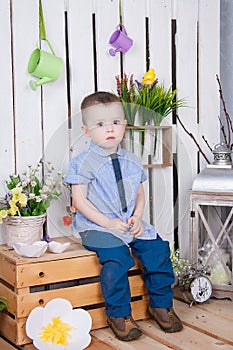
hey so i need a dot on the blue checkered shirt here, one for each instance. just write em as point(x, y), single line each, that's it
point(94, 168)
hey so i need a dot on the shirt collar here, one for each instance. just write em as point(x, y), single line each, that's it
point(102, 152)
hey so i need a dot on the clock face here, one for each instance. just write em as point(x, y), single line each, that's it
point(201, 289)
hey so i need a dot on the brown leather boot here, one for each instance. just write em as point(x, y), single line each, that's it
point(125, 328)
point(166, 319)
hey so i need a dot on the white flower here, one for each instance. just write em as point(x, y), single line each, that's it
point(44, 196)
point(58, 327)
point(25, 183)
point(32, 195)
point(44, 189)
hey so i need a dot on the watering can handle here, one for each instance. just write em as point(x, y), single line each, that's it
point(50, 46)
point(122, 29)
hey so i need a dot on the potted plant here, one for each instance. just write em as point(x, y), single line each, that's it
point(150, 101)
point(23, 209)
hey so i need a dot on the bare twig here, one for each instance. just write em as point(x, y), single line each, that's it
point(193, 138)
point(228, 119)
point(223, 130)
point(207, 143)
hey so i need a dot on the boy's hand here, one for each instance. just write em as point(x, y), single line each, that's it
point(117, 225)
point(137, 228)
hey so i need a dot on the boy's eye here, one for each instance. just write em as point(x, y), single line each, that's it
point(116, 122)
point(100, 124)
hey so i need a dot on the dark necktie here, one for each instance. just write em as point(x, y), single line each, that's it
point(118, 176)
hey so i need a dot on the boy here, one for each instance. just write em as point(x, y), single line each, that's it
point(108, 193)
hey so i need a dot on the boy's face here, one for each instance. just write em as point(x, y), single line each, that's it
point(105, 124)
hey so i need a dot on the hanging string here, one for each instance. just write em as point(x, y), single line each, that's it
point(120, 14)
point(41, 18)
point(120, 25)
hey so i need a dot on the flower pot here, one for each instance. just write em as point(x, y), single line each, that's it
point(151, 143)
point(24, 229)
point(142, 140)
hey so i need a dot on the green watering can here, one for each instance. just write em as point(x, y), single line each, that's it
point(44, 65)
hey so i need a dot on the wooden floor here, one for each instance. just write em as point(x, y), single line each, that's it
point(206, 326)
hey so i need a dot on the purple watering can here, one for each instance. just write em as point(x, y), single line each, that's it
point(120, 40)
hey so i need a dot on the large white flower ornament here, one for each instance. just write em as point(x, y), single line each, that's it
point(58, 327)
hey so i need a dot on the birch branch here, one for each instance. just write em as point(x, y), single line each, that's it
point(194, 139)
point(228, 119)
point(207, 143)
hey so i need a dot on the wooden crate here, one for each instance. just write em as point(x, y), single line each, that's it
point(73, 275)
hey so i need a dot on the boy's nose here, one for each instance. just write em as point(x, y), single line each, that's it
point(109, 127)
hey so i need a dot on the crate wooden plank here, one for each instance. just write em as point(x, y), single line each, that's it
point(75, 249)
point(82, 295)
point(53, 271)
point(7, 271)
point(139, 312)
point(22, 272)
point(4, 345)
point(13, 330)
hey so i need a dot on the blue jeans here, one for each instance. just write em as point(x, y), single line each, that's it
point(116, 261)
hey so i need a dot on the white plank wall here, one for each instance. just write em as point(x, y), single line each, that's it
point(55, 108)
point(27, 104)
point(160, 58)
point(7, 155)
point(47, 122)
point(187, 63)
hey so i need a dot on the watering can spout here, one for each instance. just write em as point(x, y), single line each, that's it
point(34, 84)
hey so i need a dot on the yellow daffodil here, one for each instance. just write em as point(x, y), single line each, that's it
point(17, 190)
point(13, 208)
point(149, 77)
point(19, 197)
point(3, 214)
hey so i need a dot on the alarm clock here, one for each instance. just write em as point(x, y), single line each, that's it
point(196, 287)
point(201, 289)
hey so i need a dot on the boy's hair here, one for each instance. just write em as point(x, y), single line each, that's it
point(99, 97)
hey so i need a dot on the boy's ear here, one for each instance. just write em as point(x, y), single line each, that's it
point(85, 130)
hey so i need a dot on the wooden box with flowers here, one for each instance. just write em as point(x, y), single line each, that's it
point(73, 275)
